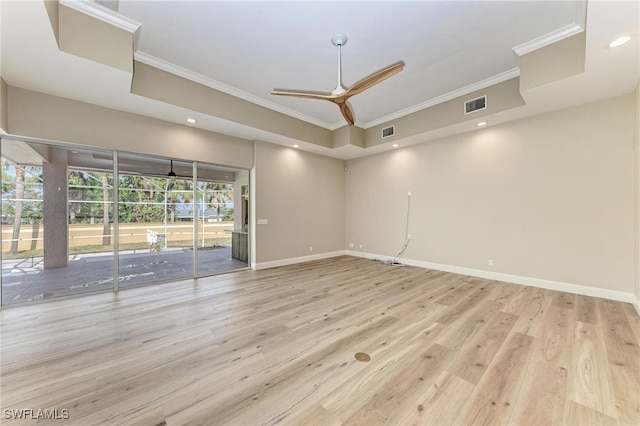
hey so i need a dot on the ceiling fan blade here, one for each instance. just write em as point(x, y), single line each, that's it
point(346, 113)
point(340, 95)
point(373, 79)
point(308, 95)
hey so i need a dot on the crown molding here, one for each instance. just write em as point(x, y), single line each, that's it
point(216, 85)
point(577, 27)
point(498, 78)
point(102, 13)
point(547, 39)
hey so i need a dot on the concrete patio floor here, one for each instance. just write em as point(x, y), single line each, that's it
point(24, 280)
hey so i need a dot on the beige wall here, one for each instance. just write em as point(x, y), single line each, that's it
point(553, 62)
point(637, 198)
point(301, 194)
point(549, 197)
point(302, 197)
point(49, 117)
point(4, 116)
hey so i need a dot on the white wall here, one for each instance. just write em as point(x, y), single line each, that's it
point(301, 195)
point(549, 197)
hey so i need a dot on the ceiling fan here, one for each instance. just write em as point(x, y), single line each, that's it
point(339, 95)
point(172, 174)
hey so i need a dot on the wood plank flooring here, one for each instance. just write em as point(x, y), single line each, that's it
point(277, 346)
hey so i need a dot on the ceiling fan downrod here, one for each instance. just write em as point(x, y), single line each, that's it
point(339, 40)
point(339, 95)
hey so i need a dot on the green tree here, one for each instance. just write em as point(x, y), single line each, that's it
point(106, 229)
point(221, 194)
point(141, 199)
point(179, 192)
point(22, 197)
point(17, 215)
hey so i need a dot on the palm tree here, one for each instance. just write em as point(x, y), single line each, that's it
point(17, 215)
point(221, 196)
point(76, 194)
point(106, 230)
point(179, 191)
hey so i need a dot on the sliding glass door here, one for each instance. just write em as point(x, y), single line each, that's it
point(63, 235)
point(219, 246)
point(155, 211)
point(56, 222)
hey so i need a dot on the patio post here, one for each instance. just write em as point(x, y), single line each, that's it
point(55, 222)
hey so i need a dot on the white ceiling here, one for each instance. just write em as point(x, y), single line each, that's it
point(255, 47)
point(250, 48)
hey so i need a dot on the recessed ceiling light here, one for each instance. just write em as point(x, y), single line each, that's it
point(296, 146)
point(619, 41)
point(395, 145)
point(482, 124)
point(191, 120)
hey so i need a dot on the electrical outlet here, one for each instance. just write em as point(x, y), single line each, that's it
point(409, 194)
point(490, 262)
point(350, 245)
point(310, 248)
point(360, 246)
point(409, 236)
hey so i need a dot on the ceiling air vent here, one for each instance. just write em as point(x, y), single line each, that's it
point(387, 132)
point(476, 104)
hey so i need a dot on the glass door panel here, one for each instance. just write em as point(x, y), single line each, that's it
point(90, 221)
point(59, 232)
point(50, 247)
point(155, 220)
point(222, 241)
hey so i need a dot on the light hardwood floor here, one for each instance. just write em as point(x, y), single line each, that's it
point(277, 346)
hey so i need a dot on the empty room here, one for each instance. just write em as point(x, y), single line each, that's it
point(320, 212)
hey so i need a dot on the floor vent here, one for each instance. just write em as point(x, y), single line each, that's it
point(476, 104)
point(387, 132)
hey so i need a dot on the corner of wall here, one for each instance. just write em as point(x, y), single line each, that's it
point(636, 140)
point(4, 111)
point(299, 205)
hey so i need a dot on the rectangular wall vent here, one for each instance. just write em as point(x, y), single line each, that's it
point(387, 132)
point(476, 104)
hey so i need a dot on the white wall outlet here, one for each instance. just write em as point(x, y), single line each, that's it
point(350, 245)
point(490, 262)
point(409, 236)
point(409, 194)
point(360, 246)
point(310, 248)
point(263, 221)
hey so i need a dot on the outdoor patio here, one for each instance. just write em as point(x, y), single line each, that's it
point(24, 280)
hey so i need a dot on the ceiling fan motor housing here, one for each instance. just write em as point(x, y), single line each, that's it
point(339, 39)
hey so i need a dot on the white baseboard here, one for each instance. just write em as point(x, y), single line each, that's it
point(515, 279)
point(498, 276)
point(294, 260)
point(636, 304)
